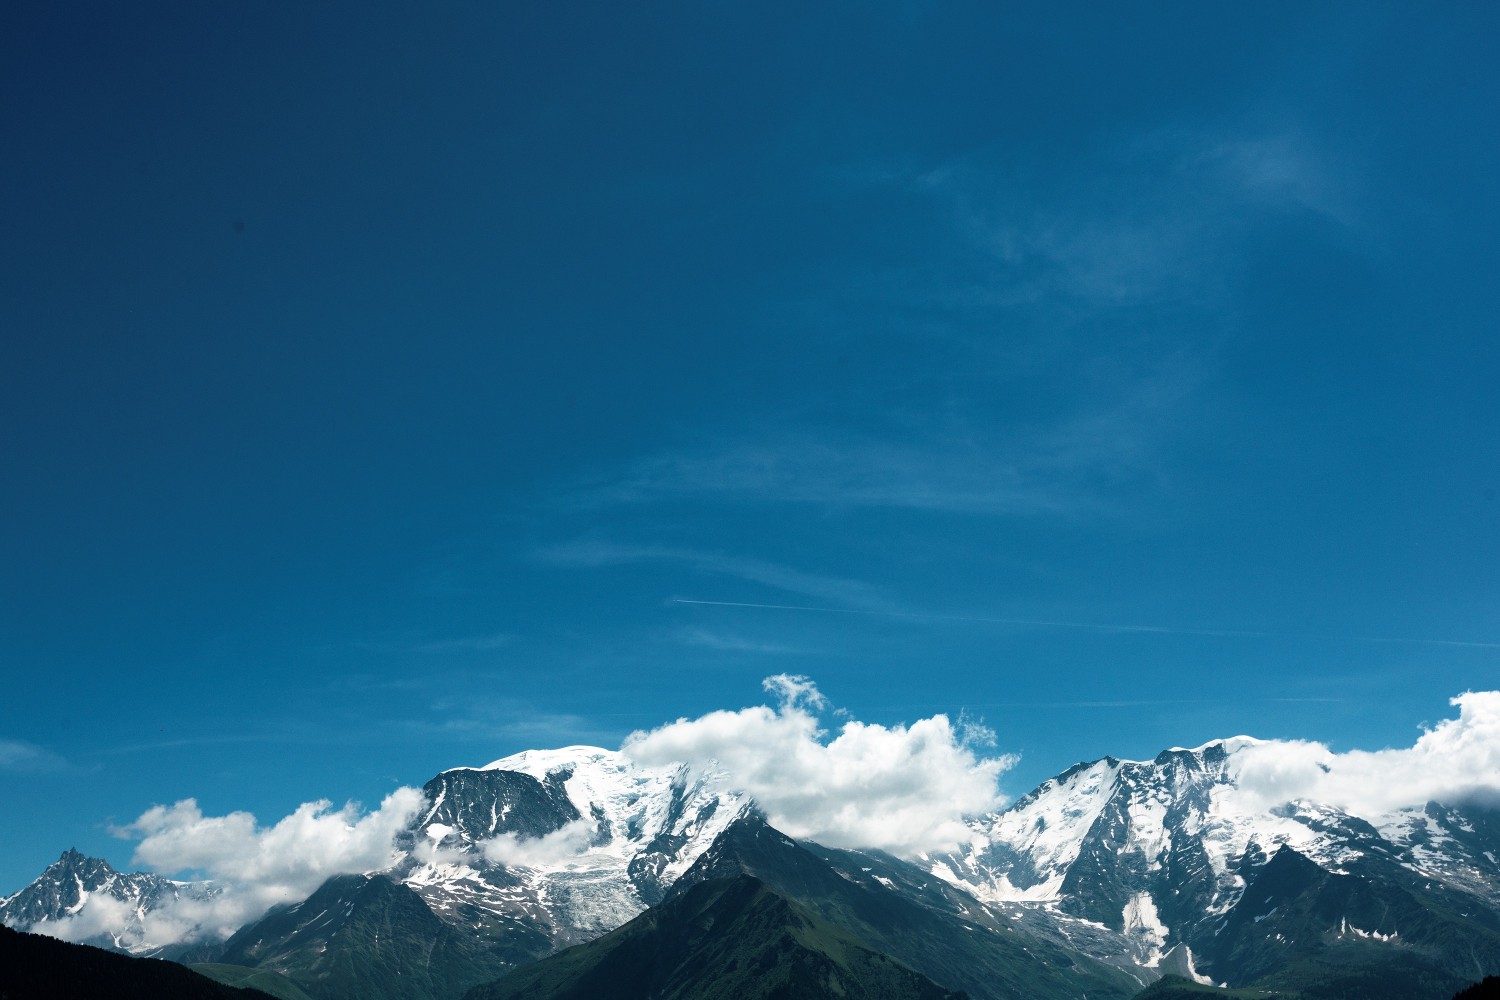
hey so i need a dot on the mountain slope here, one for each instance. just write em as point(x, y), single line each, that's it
point(265, 980)
point(530, 853)
point(364, 936)
point(1308, 931)
point(894, 908)
point(550, 848)
point(1153, 860)
point(732, 938)
point(84, 899)
point(1152, 867)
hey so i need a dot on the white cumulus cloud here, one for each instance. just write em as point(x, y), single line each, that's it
point(1455, 762)
point(100, 916)
point(905, 789)
point(252, 867)
point(295, 854)
point(553, 848)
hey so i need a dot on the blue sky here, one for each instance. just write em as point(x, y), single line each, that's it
point(382, 394)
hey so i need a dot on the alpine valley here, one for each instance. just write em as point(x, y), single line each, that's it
point(576, 873)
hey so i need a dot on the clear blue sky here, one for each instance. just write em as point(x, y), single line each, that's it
point(376, 387)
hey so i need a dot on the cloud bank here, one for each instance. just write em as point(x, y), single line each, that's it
point(1455, 762)
point(293, 856)
point(252, 867)
point(906, 789)
point(903, 789)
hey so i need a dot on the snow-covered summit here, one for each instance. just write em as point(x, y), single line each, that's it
point(540, 849)
point(568, 843)
point(79, 898)
point(538, 763)
point(1145, 861)
point(1229, 745)
point(623, 807)
point(1161, 849)
point(1141, 814)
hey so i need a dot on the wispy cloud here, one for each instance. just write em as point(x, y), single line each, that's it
point(1079, 317)
point(1157, 217)
point(460, 644)
point(1085, 463)
point(595, 553)
point(480, 718)
point(849, 471)
point(368, 683)
point(279, 735)
point(1185, 630)
point(23, 757)
point(1282, 170)
point(729, 643)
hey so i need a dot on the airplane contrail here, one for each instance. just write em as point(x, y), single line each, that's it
point(1090, 626)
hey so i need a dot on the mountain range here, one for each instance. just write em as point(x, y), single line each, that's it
point(549, 873)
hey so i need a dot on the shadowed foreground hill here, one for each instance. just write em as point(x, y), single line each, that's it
point(34, 967)
point(724, 939)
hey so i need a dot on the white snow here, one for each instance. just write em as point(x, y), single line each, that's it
point(1132, 814)
point(1144, 923)
point(436, 804)
point(1192, 968)
point(1148, 812)
point(1048, 827)
point(1345, 928)
point(576, 880)
point(1230, 745)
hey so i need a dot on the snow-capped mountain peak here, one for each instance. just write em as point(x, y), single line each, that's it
point(598, 801)
point(1159, 851)
point(85, 899)
point(538, 763)
point(1143, 814)
point(545, 847)
point(1230, 746)
point(567, 843)
point(1180, 863)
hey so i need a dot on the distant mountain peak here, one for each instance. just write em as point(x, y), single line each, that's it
point(1230, 745)
point(74, 861)
point(70, 884)
point(1155, 866)
point(1159, 852)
